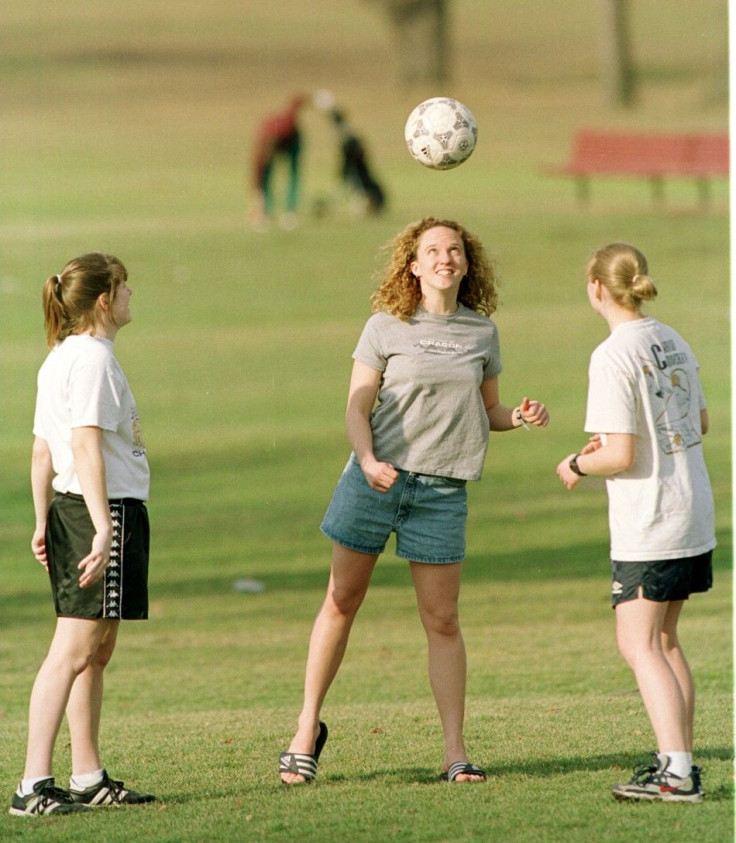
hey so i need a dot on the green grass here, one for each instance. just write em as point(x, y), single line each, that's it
point(127, 128)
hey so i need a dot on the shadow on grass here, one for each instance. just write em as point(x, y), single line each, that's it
point(618, 766)
point(581, 561)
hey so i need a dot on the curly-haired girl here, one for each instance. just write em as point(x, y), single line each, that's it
point(423, 397)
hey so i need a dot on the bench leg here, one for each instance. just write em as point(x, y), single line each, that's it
point(657, 183)
point(582, 189)
point(704, 193)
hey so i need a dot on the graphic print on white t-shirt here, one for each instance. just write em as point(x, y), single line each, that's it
point(671, 398)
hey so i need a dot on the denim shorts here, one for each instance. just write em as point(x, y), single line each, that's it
point(427, 513)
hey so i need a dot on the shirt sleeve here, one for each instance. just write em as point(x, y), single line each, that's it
point(95, 394)
point(493, 367)
point(369, 349)
point(612, 399)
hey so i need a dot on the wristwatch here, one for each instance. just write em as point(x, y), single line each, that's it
point(575, 468)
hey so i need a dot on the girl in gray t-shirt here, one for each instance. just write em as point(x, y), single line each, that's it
point(423, 397)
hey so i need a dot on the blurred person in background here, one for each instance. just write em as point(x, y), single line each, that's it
point(363, 189)
point(278, 139)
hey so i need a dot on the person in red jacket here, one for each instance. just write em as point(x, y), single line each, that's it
point(278, 137)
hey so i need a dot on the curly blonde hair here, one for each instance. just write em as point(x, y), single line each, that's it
point(399, 292)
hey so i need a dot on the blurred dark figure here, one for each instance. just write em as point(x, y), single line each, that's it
point(354, 169)
point(278, 138)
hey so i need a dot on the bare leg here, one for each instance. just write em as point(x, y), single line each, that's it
point(72, 647)
point(678, 663)
point(84, 708)
point(639, 628)
point(437, 588)
point(349, 578)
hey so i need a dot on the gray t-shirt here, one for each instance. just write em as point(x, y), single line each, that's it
point(429, 417)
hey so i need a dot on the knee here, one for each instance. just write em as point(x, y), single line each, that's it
point(638, 649)
point(77, 662)
point(444, 623)
point(102, 655)
point(96, 658)
point(626, 652)
point(342, 603)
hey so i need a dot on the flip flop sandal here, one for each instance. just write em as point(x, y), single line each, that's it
point(302, 763)
point(460, 767)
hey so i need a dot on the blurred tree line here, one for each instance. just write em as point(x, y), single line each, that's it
point(421, 31)
point(422, 34)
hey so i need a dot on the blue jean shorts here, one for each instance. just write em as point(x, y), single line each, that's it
point(427, 513)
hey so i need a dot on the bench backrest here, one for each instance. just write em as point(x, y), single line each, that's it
point(651, 154)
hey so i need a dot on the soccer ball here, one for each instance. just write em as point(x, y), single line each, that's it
point(441, 133)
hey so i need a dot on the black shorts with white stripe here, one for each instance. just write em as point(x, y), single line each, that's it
point(122, 593)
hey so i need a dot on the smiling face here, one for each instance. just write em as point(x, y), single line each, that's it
point(440, 264)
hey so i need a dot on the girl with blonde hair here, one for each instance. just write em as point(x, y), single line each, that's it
point(647, 415)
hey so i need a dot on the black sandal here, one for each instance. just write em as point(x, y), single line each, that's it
point(459, 768)
point(301, 763)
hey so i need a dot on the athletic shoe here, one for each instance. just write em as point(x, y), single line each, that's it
point(109, 792)
point(45, 799)
point(657, 784)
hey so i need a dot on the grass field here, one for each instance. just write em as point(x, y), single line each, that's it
point(126, 127)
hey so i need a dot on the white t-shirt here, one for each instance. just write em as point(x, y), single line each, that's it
point(430, 417)
point(643, 380)
point(81, 384)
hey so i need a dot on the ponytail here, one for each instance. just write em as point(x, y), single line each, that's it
point(622, 270)
point(70, 299)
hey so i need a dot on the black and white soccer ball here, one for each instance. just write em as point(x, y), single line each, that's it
point(441, 133)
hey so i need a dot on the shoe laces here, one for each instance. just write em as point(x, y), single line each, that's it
point(117, 789)
point(51, 794)
point(644, 773)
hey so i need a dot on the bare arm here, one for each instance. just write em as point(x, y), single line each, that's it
point(704, 422)
point(501, 417)
point(364, 384)
point(617, 454)
point(42, 473)
point(90, 467)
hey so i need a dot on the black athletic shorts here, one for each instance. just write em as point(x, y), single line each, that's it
point(661, 581)
point(122, 592)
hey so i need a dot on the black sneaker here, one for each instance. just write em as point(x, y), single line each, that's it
point(656, 784)
point(45, 799)
point(109, 792)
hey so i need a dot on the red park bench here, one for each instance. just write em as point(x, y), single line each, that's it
point(700, 156)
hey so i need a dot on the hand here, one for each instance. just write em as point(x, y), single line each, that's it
point(566, 474)
point(534, 412)
point(38, 546)
point(380, 476)
point(94, 564)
